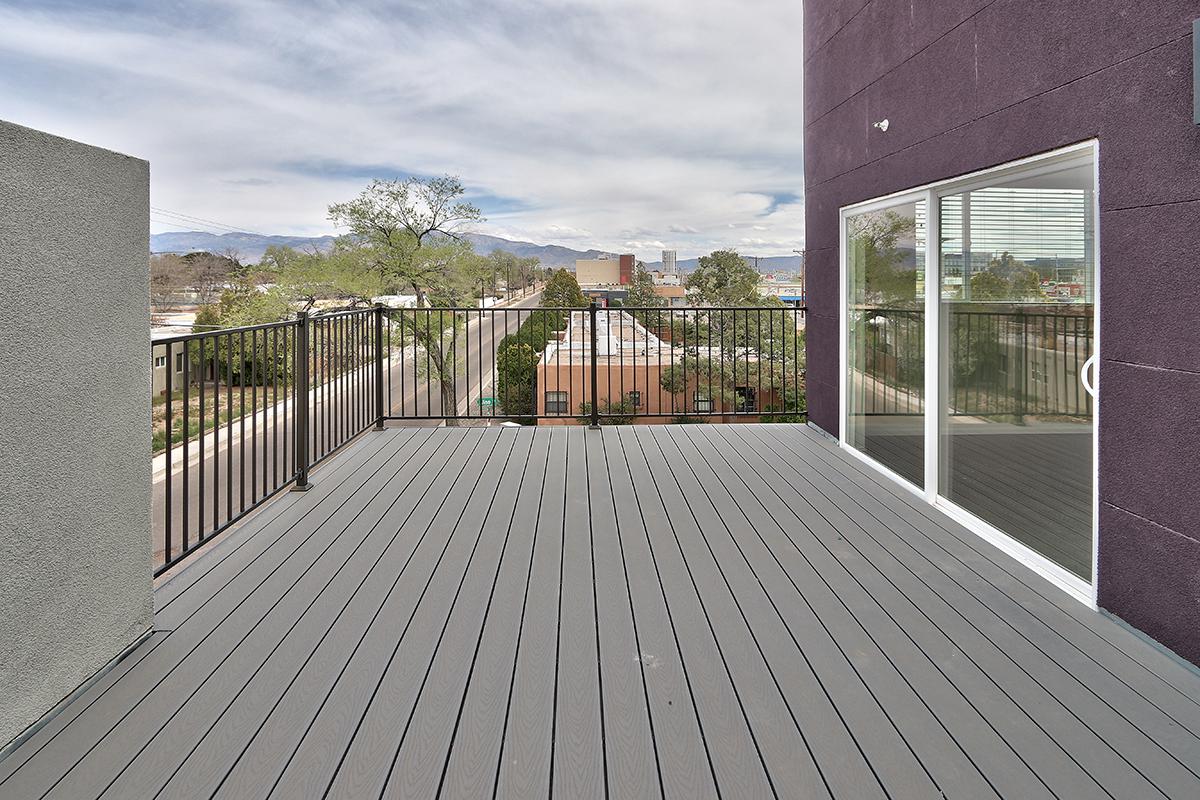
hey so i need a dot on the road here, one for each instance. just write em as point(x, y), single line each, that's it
point(412, 397)
point(258, 461)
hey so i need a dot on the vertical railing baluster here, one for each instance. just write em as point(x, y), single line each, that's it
point(229, 426)
point(187, 433)
point(300, 451)
point(167, 476)
point(379, 413)
point(200, 419)
point(595, 417)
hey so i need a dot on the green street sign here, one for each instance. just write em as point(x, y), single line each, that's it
point(487, 401)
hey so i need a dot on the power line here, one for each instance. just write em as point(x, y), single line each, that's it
point(180, 217)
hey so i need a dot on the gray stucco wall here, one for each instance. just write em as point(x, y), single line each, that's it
point(75, 575)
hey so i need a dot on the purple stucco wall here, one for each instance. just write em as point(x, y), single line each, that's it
point(968, 84)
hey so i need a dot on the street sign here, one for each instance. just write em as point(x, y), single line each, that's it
point(487, 402)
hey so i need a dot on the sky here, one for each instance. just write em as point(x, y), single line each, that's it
point(625, 125)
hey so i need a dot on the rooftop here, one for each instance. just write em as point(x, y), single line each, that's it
point(679, 611)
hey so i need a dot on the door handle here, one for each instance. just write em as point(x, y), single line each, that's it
point(1083, 375)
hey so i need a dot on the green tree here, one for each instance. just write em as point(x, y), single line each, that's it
point(510, 270)
point(612, 412)
point(305, 278)
point(516, 362)
point(723, 278)
point(562, 291)
point(878, 260)
point(1027, 285)
point(1006, 279)
point(758, 347)
point(397, 219)
point(641, 290)
point(988, 285)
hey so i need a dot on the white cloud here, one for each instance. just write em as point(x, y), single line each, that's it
point(585, 122)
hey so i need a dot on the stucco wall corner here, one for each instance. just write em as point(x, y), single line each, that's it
point(75, 434)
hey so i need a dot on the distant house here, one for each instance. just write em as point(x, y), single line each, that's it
point(166, 368)
point(632, 362)
point(674, 294)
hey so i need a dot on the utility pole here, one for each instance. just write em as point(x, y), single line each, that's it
point(803, 290)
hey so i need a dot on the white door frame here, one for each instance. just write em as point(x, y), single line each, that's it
point(1075, 586)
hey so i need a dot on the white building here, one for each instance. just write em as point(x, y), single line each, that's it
point(668, 263)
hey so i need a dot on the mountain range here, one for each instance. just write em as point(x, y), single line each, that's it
point(251, 246)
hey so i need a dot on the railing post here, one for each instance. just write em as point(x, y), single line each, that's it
point(302, 353)
point(379, 415)
point(595, 422)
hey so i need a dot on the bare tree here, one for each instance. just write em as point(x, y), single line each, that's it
point(396, 219)
point(169, 275)
point(210, 273)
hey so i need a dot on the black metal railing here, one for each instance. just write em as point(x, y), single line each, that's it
point(241, 414)
point(1011, 362)
point(594, 365)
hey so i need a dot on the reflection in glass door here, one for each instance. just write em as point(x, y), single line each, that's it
point(885, 396)
point(1016, 336)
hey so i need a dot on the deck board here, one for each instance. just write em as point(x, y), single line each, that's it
point(578, 768)
point(629, 742)
point(1070, 707)
point(677, 611)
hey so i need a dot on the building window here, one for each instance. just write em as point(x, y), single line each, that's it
point(179, 362)
point(745, 400)
point(160, 361)
point(635, 399)
point(702, 403)
point(556, 403)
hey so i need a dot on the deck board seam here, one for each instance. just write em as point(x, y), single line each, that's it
point(521, 625)
point(879, 646)
point(197, 686)
point(936, 627)
point(671, 622)
point(486, 614)
point(738, 604)
point(333, 777)
point(782, 621)
point(263, 520)
point(994, 561)
point(632, 616)
point(712, 634)
point(199, 644)
point(988, 608)
point(863, 682)
point(316, 646)
point(312, 721)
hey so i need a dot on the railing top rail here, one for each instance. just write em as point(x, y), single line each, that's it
point(584, 309)
point(215, 332)
point(346, 312)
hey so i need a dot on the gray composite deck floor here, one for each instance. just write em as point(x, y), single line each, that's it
point(683, 611)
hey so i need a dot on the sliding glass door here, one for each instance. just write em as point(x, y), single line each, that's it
point(1017, 272)
point(976, 385)
point(885, 378)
